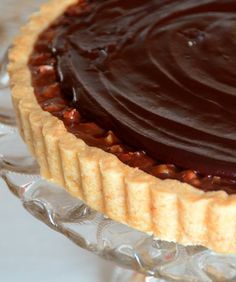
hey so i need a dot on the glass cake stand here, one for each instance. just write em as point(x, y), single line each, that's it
point(150, 259)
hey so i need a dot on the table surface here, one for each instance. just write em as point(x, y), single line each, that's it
point(29, 250)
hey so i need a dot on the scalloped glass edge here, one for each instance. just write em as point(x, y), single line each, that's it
point(93, 231)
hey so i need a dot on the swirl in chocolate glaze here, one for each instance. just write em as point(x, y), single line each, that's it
point(160, 74)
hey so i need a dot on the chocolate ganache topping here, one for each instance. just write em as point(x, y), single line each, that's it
point(161, 74)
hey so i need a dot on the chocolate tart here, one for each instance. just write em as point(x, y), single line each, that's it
point(175, 209)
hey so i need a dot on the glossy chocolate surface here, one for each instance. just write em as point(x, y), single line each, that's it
point(160, 74)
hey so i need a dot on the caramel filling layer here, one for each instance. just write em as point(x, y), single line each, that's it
point(152, 82)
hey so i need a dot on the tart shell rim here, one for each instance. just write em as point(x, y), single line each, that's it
point(168, 209)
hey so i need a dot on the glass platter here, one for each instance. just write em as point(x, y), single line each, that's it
point(150, 259)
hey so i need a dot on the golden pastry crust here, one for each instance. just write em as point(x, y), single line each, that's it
point(168, 209)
